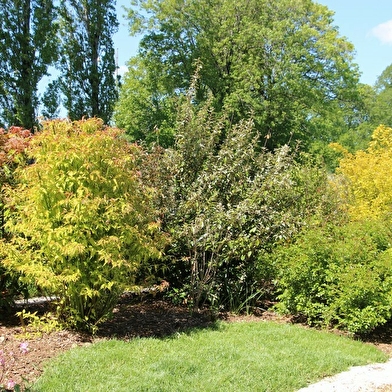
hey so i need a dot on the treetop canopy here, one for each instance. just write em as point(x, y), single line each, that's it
point(283, 62)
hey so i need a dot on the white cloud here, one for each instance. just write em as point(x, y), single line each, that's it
point(383, 32)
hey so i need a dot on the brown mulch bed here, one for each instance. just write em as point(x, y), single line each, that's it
point(131, 318)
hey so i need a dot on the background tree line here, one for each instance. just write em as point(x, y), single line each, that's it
point(282, 62)
point(75, 37)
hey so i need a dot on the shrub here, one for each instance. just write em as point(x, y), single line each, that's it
point(226, 202)
point(339, 276)
point(368, 180)
point(13, 145)
point(81, 221)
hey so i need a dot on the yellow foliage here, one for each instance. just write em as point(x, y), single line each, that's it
point(369, 177)
point(339, 148)
point(381, 139)
point(81, 219)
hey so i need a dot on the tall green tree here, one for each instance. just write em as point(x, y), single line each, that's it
point(87, 62)
point(143, 108)
point(381, 109)
point(283, 61)
point(375, 111)
point(27, 48)
point(358, 135)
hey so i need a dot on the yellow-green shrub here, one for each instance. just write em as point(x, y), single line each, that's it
point(81, 220)
point(13, 144)
point(339, 276)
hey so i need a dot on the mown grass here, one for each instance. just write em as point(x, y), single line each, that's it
point(251, 356)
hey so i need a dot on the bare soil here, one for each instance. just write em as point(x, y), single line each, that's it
point(131, 318)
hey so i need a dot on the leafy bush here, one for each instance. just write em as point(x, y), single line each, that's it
point(339, 276)
point(368, 180)
point(13, 145)
point(226, 202)
point(81, 221)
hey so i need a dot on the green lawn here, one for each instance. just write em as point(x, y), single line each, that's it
point(251, 356)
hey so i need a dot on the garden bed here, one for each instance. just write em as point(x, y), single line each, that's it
point(149, 318)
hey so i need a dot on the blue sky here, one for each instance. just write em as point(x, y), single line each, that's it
point(365, 23)
point(368, 25)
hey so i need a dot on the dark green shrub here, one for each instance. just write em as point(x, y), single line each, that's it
point(10, 288)
point(226, 202)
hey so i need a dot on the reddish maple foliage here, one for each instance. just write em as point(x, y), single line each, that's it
point(13, 142)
